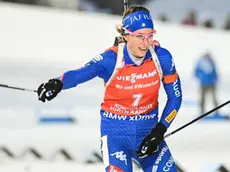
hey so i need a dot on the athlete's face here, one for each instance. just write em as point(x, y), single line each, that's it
point(139, 41)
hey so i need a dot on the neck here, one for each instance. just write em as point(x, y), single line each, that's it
point(137, 60)
point(132, 55)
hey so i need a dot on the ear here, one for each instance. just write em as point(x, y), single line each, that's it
point(155, 42)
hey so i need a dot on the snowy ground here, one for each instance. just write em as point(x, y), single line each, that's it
point(50, 167)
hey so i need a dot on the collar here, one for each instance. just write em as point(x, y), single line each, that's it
point(128, 60)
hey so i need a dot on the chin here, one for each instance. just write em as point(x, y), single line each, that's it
point(141, 54)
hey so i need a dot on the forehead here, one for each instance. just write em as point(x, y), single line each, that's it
point(144, 31)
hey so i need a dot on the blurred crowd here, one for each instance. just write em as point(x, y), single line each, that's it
point(116, 7)
point(191, 19)
point(108, 6)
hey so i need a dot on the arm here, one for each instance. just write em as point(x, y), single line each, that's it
point(215, 72)
point(174, 99)
point(72, 78)
point(197, 70)
point(171, 82)
point(101, 66)
point(172, 86)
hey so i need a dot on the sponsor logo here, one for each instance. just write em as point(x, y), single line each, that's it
point(130, 111)
point(173, 65)
point(114, 116)
point(154, 169)
point(128, 118)
point(137, 86)
point(134, 76)
point(168, 164)
point(113, 168)
point(139, 17)
point(161, 154)
point(171, 116)
point(95, 60)
point(121, 156)
point(176, 89)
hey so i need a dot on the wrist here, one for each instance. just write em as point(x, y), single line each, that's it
point(161, 128)
point(57, 84)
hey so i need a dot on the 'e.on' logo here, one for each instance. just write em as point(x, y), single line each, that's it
point(113, 168)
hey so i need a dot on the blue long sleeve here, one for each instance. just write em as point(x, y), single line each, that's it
point(172, 89)
point(173, 104)
point(74, 77)
point(100, 66)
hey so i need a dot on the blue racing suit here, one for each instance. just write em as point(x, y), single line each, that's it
point(121, 135)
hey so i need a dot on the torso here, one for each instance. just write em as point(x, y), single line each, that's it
point(133, 90)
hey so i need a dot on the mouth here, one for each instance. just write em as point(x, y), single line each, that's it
point(143, 49)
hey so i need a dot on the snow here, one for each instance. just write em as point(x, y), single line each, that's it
point(203, 144)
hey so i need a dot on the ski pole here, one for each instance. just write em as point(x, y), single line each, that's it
point(196, 119)
point(125, 5)
point(17, 88)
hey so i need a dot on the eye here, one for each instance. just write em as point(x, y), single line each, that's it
point(150, 37)
point(139, 36)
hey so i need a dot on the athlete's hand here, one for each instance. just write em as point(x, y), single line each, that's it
point(150, 144)
point(49, 90)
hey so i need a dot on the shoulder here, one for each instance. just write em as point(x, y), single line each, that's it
point(108, 55)
point(106, 59)
point(113, 49)
point(165, 59)
point(162, 53)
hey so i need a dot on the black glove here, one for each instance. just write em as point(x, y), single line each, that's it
point(49, 90)
point(150, 144)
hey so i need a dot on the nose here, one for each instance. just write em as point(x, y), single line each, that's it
point(145, 41)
